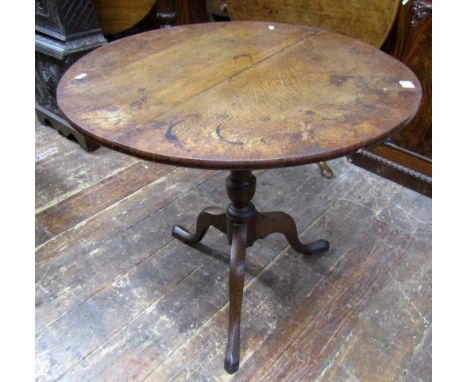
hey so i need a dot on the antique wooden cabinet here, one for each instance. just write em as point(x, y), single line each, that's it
point(406, 157)
point(65, 31)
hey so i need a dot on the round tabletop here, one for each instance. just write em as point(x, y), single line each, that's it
point(238, 95)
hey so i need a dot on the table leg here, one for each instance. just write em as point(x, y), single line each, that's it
point(267, 223)
point(210, 216)
point(236, 288)
point(243, 225)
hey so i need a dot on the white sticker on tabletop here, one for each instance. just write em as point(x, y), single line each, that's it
point(80, 76)
point(407, 84)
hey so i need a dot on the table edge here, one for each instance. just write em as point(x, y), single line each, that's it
point(255, 164)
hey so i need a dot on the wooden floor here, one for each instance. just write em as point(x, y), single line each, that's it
point(117, 299)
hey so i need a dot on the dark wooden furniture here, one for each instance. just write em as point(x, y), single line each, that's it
point(406, 157)
point(181, 12)
point(65, 31)
point(190, 12)
point(273, 95)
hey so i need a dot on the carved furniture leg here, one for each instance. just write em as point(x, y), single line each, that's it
point(243, 224)
point(210, 216)
point(48, 118)
point(236, 288)
point(267, 223)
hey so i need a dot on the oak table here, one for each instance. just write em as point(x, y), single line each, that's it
point(239, 96)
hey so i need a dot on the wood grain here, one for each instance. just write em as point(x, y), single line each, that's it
point(366, 20)
point(116, 16)
point(397, 334)
point(190, 11)
point(82, 205)
point(238, 95)
point(61, 172)
point(100, 242)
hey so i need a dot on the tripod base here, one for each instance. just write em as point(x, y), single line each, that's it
point(243, 225)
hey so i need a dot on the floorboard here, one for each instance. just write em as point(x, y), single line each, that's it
point(118, 299)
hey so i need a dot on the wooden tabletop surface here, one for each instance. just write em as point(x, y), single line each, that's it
point(238, 95)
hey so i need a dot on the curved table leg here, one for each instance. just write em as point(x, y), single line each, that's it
point(236, 287)
point(267, 223)
point(210, 216)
